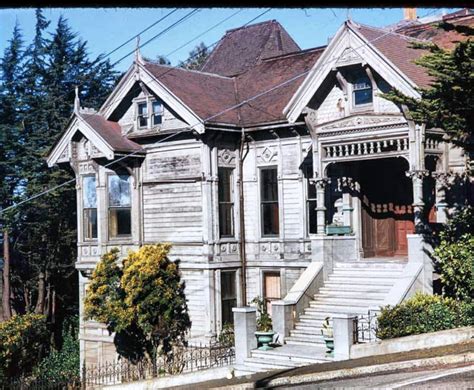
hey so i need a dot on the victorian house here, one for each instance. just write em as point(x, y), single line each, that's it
point(270, 167)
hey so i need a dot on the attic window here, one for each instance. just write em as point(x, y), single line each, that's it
point(362, 91)
point(143, 115)
point(157, 113)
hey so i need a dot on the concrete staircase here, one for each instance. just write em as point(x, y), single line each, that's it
point(352, 288)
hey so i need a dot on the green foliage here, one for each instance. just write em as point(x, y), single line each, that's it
point(461, 223)
point(62, 365)
point(264, 321)
point(23, 340)
point(143, 302)
point(449, 102)
point(423, 313)
point(226, 337)
point(197, 57)
point(455, 261)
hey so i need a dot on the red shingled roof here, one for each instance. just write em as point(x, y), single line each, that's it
point(242, 48)
point(205, 94)
point(397, 49)
point(111, 132)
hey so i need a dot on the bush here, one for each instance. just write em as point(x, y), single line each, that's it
point(23, 340)
point(422, 314)
point(455, 262)
point(63, 365)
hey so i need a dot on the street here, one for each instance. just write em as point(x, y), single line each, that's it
point(434, 378)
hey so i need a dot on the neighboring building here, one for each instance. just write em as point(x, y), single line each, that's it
point(163, 160)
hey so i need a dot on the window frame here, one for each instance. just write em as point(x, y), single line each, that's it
point(109, 208)
point(227, 203)
point(149, 101)
point(357, 76)
point(264, 202)
point(308, 175)
point(84, 209)
point(227, 299)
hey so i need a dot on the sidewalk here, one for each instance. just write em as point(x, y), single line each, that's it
point(453, 355)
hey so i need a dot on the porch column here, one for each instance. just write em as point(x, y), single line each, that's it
point(418, 204)
point(320, 184)
point(347, 209)
point(441, 181)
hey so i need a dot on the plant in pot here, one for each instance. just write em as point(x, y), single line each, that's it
point(328, 336)
point(264, 331)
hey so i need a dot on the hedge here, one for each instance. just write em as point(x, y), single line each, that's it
point(422, 314)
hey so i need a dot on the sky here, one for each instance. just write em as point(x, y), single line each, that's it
point(107, 28)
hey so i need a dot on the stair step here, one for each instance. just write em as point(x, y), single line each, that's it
point(335, 280)
point(242, 370)
point(328, 310)
point(345, 289)
point(296, 340)
point(309, 333)
point(371, 265)
point(279, 357)
point(366, 295)
point(312, 318)
point(344, 301)
point(363, 274)
point(270, 364)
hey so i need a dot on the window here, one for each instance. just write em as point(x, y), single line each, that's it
point(271, 288)
point(157, 113)
point(89, 207)
point(226, 204)
point(228, 296)
point(142, 115)
point(269, 201)
point(310, 201)
point(119, 206)
point(362, 90)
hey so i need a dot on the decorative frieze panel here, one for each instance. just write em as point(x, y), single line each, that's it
point(366, 148)
point(226, 157)
point(267, 154)
point(269, 247)
point(90, 251)
point(86, 167)
point(229, 248)
point(362, 121)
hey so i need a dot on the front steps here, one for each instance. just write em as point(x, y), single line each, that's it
point(352, 288)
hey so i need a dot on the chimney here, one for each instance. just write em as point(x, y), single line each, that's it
point(409, 13)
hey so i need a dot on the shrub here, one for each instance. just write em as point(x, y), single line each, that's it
point(23, 340)
point(63, 365)
point(455, 261)
point(423, 313)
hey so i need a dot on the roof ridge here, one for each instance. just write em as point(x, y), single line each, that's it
point(190, 70)
point(386, 31)
point(295, 53)
point(251, 25)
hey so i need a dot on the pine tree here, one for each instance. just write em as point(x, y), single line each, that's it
point(197, 57)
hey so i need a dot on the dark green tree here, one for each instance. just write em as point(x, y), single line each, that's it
point(449, 102)
point(196, 58)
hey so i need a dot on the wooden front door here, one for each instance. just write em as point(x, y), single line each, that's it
point(385, 237)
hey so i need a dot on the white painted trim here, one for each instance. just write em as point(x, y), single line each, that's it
point(167, 96)
point(346, 37)
point(79, 124)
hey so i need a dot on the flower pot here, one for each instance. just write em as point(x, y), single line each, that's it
point(329, 346)
point(264, 338)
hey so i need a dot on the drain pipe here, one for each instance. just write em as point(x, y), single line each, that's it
point(243, 261)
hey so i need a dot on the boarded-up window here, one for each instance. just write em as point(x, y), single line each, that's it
point(89, 207)
point(119, 206)
point(228, 296)
point(226, 203)
point(271, 288)
point(269, 202)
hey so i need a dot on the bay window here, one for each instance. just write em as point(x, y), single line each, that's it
point(119, 206)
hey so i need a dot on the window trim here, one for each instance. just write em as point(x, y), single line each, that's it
point(150, 115)
point(118, 237)
point(307, 182)
point(261, 202)
point(231, 203)
point(358, 107)
point(83, 230)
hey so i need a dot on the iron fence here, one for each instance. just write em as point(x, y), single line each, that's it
point(179, 361)
point(365, 328)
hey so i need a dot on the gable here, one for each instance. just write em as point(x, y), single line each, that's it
point(348, 47)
